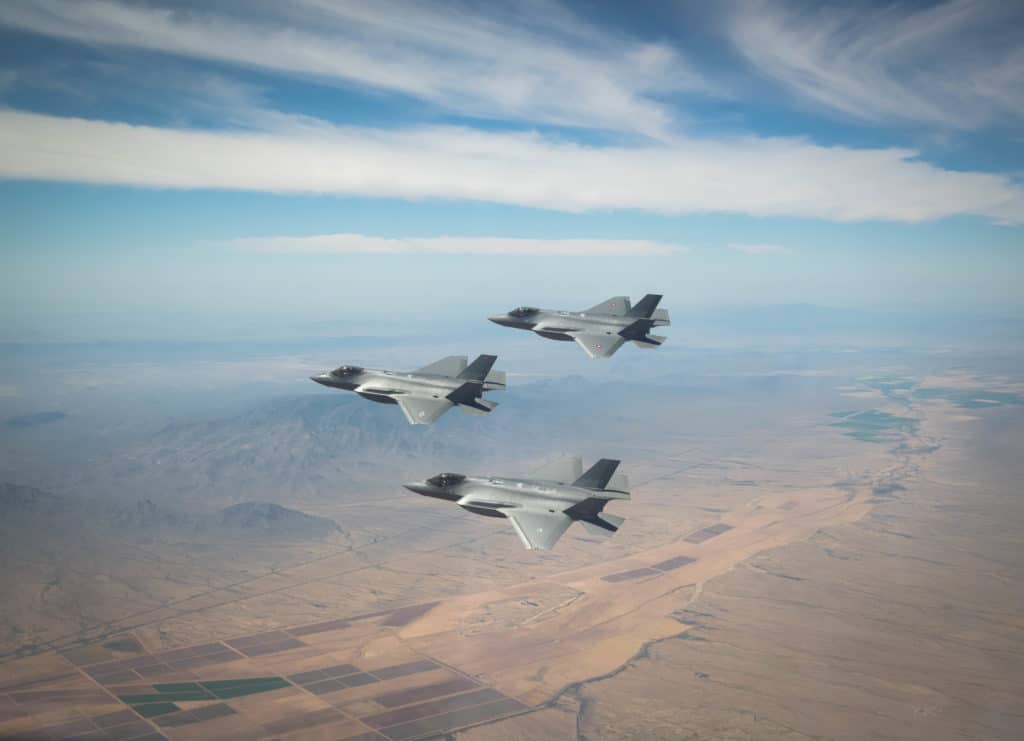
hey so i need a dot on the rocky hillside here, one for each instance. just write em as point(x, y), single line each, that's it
point(273, 520)
point(337, 445)
point(28, 513)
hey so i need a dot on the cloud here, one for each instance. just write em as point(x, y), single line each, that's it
point(957, 64)
point(362, 243)
point(761, 176)
point(758, 249)
point(536, 62)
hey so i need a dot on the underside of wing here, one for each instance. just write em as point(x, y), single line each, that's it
point(420, 411)
point(539, 530)
point(452, 366)
point(599, 345)
point(562, 470)
point(554, 328)
point(368, 390)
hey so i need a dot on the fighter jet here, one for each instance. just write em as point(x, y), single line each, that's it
point(427, 393)
point(542, 507)
point(599, 330)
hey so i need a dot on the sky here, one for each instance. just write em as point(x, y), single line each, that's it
point(191, 170)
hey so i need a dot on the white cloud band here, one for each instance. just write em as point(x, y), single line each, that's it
point(362, 243)
point(748, 248)
point(760, 176)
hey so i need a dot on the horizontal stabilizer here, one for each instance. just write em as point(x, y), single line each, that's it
point(479, 368)
point(619, 483)
point(495, 381)
point(479, 406)
point(650, 342)
point(613, 521)
point(451, 366)
point(603, 524)
point(661, 317)
point(598, 475)
point(594, 529)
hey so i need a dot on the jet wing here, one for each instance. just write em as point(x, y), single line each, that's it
point(598, 345)
point(452, 366)
point(539, 530)
point(562, 470)
point(616, 306)
point(420, 411)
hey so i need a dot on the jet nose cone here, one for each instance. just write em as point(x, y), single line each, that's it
point(498, 318)
point(418, 487)
point(320, 378)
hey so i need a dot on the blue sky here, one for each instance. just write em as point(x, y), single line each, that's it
point(187, 169)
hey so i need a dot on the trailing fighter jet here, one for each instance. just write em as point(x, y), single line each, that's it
point(542, 507)
point(427, 393)
point(599, 330)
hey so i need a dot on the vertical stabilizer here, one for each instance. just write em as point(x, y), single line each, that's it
point(479, 368)
point(598, 475)
point(646, 306)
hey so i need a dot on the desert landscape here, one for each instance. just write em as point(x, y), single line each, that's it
point(809, 565)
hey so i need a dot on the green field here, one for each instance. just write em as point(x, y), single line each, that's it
point(161, 700)
point(873, 426)
point(971, 398)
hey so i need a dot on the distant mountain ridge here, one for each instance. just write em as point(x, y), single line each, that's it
point(17, 500)
point(333, 444)
point(34, 420)
point(329, 443)
point(26, 509)
point(267, 518)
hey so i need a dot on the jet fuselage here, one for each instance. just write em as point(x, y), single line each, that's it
point(489, 496)
point(424, 394)
point(555, 324)
point(600, 330)
point(366, 381)
point(540, 509)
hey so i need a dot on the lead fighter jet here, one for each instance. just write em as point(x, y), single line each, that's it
point(542, 507)
point(427, 393)
point(599, 330)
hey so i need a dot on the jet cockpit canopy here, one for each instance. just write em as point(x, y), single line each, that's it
point(523, 311)
point(444, 480)
point(346, 370)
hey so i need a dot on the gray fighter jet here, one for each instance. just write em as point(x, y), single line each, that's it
point(600, 330)
point(427, 393)
point(543, 506)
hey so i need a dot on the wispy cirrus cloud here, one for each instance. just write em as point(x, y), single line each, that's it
point(532, 62)
point(957, 64)
point(339, 244)
point(761, 176)
point(748, 248)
